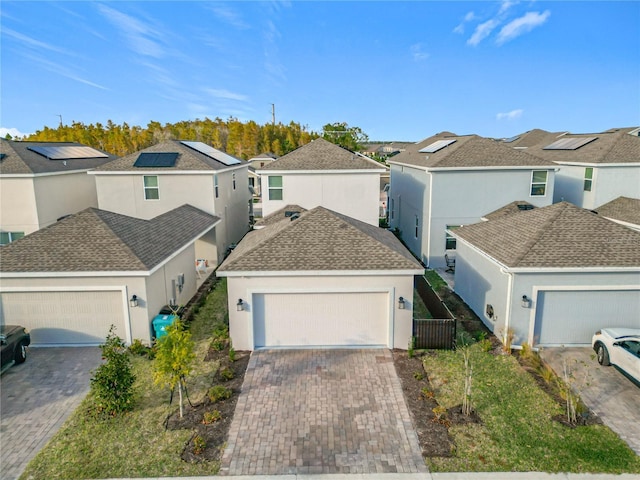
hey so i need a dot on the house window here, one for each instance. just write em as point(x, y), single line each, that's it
point(252, 182)
point(151, 189)
point(538, 183)
point(450, 242)
point(275, 188)
point(588, 179)
point(215, 185)
point(417, 225)
point(8, 237)
point(233, 180)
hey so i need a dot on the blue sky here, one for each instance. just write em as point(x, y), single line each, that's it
point(398, 70)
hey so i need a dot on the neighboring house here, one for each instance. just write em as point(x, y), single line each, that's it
point(550, 276)
point(69, 282)
point(41, 182)
point(162, 177)
point(447, 181)
point(595, 168)
point(321, 173)
point(319, 279)
point(256, 163)
point(623, 210)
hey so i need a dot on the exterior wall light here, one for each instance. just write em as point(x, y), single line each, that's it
point(401, 303)
point(489, 310)
point(133, 301)
point(240, 305)
point(526, 302)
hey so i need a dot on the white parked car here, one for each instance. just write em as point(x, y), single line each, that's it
point(619, 347)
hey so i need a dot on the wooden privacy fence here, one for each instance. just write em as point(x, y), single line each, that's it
point(438, 332)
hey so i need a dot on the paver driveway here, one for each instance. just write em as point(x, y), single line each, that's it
point(321, 411)
point(36, 399)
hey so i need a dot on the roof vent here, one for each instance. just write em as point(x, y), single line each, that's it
point(290, 213)
point(525, 206)
point(294, 216)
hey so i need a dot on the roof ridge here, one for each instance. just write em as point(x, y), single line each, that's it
point(540, 232)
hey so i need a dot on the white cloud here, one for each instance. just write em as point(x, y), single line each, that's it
point(14, 132)
point(32, 42)
point(512, 115)
point(482, 31)
point(143, 38)
point(229, 16)
point(67, 72)
point(470, 16)
point(226, 94)
point(522, 25)
point(417, 53)
point(506, 5)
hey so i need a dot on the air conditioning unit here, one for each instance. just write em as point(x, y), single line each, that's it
point(181, 279)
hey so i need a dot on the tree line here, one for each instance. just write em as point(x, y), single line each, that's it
point(241, 139)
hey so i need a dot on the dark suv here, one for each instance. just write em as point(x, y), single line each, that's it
point(14, 341)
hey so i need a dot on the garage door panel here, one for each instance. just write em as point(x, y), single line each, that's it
point(65, 317)
point(326, 319)
point(572, 317)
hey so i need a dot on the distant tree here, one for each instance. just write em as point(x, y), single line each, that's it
point(342, 134)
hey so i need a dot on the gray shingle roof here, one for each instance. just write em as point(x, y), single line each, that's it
point(558, 236)
point(624, 209)
point(96, 240)
point(509, 209)
point(467, 151)
point(19, 159)
point(608, 147)
point(189, 159)
point(320, 154)
point(279, 215)
point(320, 240)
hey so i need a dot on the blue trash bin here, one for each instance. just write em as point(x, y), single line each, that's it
point(161, 322)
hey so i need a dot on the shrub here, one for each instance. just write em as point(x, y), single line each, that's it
point(232, 353)
point(418, 375)
point(218, 393)
point(227, 374)
point(112, 383)
point(211, 417)
point(428, 393)
point(547, 374)
point(411, 347)
point(440, 414)
point(139, 348)
point(199, 444)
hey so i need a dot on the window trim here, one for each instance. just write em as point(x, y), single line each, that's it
point(233, 180)
point(538, 184)
point(450, 239)
point(148, 188)
point(588, 180)
point(275, 188)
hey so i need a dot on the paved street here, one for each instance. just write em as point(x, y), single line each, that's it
point(321, 411)
point(609, 394)
point(37, 397)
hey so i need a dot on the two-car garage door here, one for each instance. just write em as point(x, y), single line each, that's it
point(321, 319)
point(65, 317)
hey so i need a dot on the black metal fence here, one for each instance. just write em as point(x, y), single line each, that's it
point(438, 332)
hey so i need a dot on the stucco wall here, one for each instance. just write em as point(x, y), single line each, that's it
point(608, 183)
point(241, 323)
point(18, 211)
point(356, 195)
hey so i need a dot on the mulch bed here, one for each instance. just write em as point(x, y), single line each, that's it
point(433, 433)
point(214, 434)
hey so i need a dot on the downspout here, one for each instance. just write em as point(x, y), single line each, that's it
point(507, 318)
point(430, 197)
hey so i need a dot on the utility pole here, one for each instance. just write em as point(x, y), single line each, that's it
point(60, 119)
point(273, 113)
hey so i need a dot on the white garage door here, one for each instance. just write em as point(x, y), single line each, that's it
point(65, 318)
point(571, 318)
point(321, 319)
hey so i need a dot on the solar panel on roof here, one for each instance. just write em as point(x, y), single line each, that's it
point(212, 152)
point(67, 152)
point(435, 146)
point(572, 143)
point(156, 159)
point(2, 155)
point(511, 139)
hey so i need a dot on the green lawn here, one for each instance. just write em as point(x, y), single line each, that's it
point(518, 433)
point(135, 444)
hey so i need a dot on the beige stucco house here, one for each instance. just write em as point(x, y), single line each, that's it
point(321, 173)
point(69, 282)
point(167, 175)
point(319, 278)
point(41, 182)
